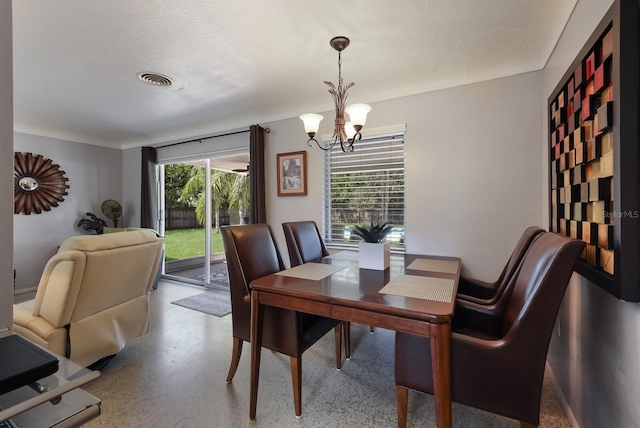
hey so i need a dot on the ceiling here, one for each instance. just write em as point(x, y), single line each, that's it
point(240, 62)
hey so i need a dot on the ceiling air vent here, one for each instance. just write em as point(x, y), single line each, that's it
point(156, 79)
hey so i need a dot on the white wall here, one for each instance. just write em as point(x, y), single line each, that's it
point(6, 168)
point(594, 354)
point(94, 174)
point(473, 169)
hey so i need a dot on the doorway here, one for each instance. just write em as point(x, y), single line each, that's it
point(196, 199)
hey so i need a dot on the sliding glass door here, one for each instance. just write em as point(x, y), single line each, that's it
point(197, 198)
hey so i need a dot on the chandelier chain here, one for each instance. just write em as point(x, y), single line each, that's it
point(339, 70)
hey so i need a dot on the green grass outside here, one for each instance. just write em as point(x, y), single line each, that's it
point(184, 243)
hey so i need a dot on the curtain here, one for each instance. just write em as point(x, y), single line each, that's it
point(148, 192)
point(258, 212)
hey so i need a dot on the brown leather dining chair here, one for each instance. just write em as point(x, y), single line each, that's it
point(251, 253)
point(304, 242)
point(477, 291)
point(305, 245)
point(497, 363)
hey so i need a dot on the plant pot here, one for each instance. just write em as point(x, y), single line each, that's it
point(374, 256)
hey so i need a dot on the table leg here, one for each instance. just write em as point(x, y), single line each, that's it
point(441, 366)
point(257, 314)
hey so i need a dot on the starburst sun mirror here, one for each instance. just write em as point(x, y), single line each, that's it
point(38, 184)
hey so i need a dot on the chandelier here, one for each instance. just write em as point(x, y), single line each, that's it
point(344, 132)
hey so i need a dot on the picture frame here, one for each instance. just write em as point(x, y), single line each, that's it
point(593, 153)
point(292, 173)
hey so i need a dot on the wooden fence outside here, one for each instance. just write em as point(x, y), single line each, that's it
point(185, 218)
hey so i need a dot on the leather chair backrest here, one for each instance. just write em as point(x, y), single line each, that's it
point(304, 242)
point(541, 281)
point(518, 253)
point(251, 253)
point(107, 270)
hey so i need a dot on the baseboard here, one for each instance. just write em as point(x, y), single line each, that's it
point(25, 291)
point(563, 401)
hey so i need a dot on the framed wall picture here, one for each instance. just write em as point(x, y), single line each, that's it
point(292, 173)
point(593, 153)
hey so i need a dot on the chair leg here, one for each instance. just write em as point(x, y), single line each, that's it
point(371, 328)
point(338, 334)
point(235, 358)
point(527, 425)
point(402, 402)
point(296, 380)
point(347, 339)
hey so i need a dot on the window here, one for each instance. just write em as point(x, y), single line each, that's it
point(365, 185)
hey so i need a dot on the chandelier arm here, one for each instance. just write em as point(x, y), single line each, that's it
point(326, 148)
point(347, 147)
point(343, 144)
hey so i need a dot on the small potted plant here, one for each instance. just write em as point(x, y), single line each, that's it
point(374, 254)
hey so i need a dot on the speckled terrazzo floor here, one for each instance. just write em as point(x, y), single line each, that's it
point(175, 377)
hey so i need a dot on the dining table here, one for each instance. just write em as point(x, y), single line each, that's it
point(415, 295)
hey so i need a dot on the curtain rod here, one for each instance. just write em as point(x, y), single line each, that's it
point(203, 138)
point(267, 130)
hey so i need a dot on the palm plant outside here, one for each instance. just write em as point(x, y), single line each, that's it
point(184, 187)
point(229, 188)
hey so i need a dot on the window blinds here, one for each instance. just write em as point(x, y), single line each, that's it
point(365, 185)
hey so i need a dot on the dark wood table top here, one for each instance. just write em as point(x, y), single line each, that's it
point(359, 288)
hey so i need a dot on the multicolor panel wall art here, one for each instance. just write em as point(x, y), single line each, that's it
point(593, 154)
point(582, 156)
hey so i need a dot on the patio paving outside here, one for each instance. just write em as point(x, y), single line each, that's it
point(219, 275)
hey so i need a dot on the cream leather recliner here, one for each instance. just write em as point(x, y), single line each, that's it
point(93, 296)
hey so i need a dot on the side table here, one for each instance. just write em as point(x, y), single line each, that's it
point(53, 401)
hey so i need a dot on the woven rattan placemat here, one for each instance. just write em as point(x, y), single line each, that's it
point(421, 287)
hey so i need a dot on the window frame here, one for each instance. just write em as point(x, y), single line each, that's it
point(371, 136)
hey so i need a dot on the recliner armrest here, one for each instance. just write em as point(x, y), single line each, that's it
point(59, 286)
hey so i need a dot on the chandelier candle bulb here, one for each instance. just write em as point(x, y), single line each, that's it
point(358, 114)
point(311, 123)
